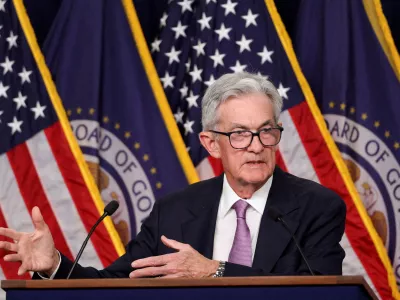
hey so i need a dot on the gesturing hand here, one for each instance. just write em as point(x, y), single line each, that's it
point(187, 262)
point(35, 251)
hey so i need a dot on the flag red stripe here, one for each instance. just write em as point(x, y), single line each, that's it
point(216, 165)
point(280, 162)
point(80, 194)
point(329, 176)
point(31, 190)
point(10, 269)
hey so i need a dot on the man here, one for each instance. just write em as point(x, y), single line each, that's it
point(220, 227)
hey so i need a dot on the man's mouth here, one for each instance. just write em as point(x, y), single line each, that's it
point(255, 162)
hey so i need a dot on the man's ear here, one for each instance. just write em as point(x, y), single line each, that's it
point(208, 140)
point(277, 146)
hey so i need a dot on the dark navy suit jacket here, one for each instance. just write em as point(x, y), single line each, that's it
point(314, 213)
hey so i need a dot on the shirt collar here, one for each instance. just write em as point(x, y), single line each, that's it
point(257, 201)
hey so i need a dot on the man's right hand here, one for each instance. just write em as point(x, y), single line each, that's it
point(35, 251)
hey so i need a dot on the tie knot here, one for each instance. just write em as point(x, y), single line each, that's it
point(240, 207)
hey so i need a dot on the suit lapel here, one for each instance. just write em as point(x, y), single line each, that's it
point(198, 229)
point(273, 237)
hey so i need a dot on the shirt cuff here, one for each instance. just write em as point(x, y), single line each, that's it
point(44, 276)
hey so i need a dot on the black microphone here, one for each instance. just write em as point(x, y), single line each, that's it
point(275, 215)
point(108, 211)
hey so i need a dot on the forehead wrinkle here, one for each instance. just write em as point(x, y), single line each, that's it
point(268, 122)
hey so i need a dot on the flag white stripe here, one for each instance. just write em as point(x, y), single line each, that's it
point(298, 163)
point(205, 170)
point(2, 292)
point(12, 204)
point(293, 152)
point(60, 199)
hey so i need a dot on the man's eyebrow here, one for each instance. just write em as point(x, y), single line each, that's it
point(237, 125)
point(241, 126)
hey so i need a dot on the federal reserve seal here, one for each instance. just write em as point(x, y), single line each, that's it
point(375, 171)
point(118, 173)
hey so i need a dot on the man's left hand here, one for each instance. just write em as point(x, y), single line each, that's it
point(187, 262)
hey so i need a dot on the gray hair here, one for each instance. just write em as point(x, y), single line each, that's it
point(235, 85)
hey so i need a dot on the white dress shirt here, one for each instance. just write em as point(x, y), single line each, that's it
point(226, 219)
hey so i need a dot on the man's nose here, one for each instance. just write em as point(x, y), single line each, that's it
point(255, 145)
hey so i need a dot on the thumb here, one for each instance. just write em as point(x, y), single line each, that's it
point(172, 243)
point(37, 219)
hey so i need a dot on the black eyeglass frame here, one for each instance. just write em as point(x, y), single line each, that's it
point(253, 134)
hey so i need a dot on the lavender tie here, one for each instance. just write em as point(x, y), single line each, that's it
point(241, 249)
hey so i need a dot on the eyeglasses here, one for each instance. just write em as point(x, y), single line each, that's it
point(242, 139)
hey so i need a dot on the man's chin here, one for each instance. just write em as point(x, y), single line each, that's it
point(256, 177)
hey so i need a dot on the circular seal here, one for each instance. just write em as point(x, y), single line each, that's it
point(118, 175)
point(375, 172)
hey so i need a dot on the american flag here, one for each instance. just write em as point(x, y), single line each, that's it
point(199, 41)
point(37, 163)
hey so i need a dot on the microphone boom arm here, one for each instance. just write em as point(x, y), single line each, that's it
point(297, 244)
point(108, 211)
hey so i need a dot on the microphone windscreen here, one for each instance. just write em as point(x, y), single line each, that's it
point(111, 207)
point(274, 214)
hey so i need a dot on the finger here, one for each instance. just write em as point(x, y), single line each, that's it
point(153, 261)
point(172, 243)
point(8, 246)
point(148, 272)
point(12, 257)
point(37, 219)
point(176, 275)
point(21, 270)
point(11, 233)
